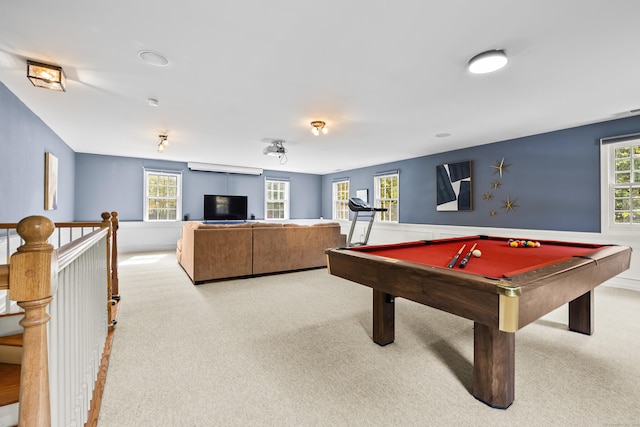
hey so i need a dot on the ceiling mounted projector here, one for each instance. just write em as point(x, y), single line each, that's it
point(275, 149)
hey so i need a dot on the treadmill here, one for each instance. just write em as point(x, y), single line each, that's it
point(357, 206)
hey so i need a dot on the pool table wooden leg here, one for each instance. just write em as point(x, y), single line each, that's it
point(581, 314)
point(493, 366)
point(383, 318)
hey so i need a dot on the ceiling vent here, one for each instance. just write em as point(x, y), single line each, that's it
point(208, 167)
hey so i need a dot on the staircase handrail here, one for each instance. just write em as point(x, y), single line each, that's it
point(112, 217)
point(4, 277)
point(29, 277)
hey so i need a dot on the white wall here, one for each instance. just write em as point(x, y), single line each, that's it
point(382, 233)
point(138, 236)
point(153, 236)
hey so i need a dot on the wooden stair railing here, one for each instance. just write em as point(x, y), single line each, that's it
point(72, 235)
point(10, 385)
point(28, 278)
point(30, 272)
point(115, 224)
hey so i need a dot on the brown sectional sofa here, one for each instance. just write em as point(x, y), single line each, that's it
point(209, 252)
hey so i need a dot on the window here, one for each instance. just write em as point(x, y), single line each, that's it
point(163, 196)
point(276, 199)
point(341, 200)
point(622, 169)
point(386, 195)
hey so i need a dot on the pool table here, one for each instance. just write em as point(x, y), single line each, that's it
point(501, 291)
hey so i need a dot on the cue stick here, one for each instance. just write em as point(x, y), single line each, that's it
point(466, 258)
point(456, 256)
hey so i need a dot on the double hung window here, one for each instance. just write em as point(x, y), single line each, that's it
point(163, 192)
point(621, 166)
point(341, 200)
point(276, 199)
point(387, 195)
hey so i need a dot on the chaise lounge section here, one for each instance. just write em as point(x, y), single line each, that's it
point(210, 252)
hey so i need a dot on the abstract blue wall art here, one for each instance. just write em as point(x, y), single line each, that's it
point(453, 187)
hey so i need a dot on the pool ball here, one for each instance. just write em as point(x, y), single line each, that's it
point(476, 253)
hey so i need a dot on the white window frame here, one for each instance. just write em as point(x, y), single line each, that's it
point(340, 207)
point(608, 184)
point(384, 202)
point(177, 198)
point(285, 202)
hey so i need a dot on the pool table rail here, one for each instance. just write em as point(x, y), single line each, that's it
point(550, 287)
point(469, 296)
point(507, 304)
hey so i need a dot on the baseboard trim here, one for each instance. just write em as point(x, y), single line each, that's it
point(623, 283)
point(96, 400)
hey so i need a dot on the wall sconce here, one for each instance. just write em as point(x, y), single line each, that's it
point(317, 127)
point(46, 76)
point(163, 143)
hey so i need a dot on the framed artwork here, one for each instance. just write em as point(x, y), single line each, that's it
point(50, 182)
point(453, 187)
point(363, 195)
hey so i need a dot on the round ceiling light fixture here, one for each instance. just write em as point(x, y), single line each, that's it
point(488, 62)
point(153, 58)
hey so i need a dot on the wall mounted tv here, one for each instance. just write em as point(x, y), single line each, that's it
point(225, 208)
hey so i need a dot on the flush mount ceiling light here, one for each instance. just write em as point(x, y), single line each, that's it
point(153, 58)
point(46, 76)
point(318, 126)
point(163, 143)
point(488, 62)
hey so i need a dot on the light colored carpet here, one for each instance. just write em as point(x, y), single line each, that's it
point(295, 350)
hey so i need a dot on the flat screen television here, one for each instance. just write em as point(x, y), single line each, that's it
point(225, 208)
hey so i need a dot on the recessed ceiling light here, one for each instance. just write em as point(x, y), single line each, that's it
point(153, 58)
point(442, 135)
point(488, 62)
point(153, 102)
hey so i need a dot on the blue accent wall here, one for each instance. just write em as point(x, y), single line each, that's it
point(24, 140)
point(121, 184)
point(553, 178)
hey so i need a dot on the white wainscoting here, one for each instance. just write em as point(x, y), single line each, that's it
point(152, 236)
point(382, 233)
point(140, 236)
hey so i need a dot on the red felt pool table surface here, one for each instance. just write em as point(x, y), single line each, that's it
point(498, 259)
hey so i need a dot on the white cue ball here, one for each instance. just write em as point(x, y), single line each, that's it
point(476, 253)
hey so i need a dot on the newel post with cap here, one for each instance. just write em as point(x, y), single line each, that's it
point(32, 269)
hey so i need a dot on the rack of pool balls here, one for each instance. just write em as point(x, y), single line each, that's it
point(523, 243)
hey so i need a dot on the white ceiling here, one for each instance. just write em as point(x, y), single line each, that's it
point(386, 76)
